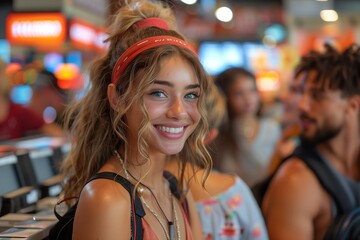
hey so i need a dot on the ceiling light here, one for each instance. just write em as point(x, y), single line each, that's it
point(224, 14)
point(189, 2)
point(329, 15)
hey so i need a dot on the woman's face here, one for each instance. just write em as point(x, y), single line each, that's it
point(171, 102)
point(292, 98)
point(243, 97)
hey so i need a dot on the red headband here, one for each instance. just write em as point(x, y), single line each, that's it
point(141, 46)
point(152, 22)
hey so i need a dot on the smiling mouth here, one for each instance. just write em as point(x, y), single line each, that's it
point(306, 122)
point(170, 129)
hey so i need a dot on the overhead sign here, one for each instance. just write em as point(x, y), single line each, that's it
point(36, 29)
point(87, 36)
point(100, 43)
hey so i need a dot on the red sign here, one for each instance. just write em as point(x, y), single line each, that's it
point(36, 29)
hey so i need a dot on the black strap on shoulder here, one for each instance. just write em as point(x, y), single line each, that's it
point(137, 208)
point(174, 188)
point(64, 228)
point(330, 181)
point(173, 182)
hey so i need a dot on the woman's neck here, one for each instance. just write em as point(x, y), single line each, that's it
point(246, 127)
point(246, 119)
point(147, 171)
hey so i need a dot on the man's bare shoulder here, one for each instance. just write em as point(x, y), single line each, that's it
point(295, 172)
point(295, 184)
point(293, 202)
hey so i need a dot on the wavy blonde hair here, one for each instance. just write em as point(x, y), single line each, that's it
point(96, 129)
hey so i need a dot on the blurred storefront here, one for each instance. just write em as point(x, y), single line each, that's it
point(312, 23)
point(264, 36)
point(256, 38)
point(63, 36)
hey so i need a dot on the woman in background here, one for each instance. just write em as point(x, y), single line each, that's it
point(246, 141)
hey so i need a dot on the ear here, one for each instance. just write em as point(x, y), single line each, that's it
point(213, 133)
point(112, 96)
point(354, 103)
point(357, 99)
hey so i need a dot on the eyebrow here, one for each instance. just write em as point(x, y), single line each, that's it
point(316, 89)
point(166, 83)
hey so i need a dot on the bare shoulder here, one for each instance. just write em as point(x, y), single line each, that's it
point(215, 184)
point(294, 183)
point(219, 182)
point(104, 191)
point(295, 203)
point(296, 174)
point(103, 211)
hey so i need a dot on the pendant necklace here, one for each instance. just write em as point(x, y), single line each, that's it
point(169, 235)
point(170, 232)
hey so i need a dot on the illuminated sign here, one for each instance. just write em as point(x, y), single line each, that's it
point(36, 29)
point(68, 76)
point(101, 36)
point(82, 33)
point(86, 36)
point(268, 81)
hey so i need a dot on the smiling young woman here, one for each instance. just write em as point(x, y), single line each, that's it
point(145, 105)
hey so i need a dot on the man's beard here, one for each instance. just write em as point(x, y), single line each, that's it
point(322, 135)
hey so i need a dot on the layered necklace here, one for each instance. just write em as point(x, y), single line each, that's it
point(170, 230)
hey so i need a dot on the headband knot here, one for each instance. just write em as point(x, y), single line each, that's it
point(152, 22)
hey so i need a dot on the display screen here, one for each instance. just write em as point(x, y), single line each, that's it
point(219, 56)
point(43, 169)
point(8, 179)
point(253, 56)
point(37, 142)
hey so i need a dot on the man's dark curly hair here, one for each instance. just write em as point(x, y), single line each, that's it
point(334, 69)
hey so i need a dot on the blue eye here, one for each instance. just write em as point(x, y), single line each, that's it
point(192, 96)
point(158, 94)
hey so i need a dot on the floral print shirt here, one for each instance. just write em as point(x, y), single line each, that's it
point(233, 214)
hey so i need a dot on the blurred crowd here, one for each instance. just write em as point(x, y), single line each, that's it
point(247, 145)
point(31, 102)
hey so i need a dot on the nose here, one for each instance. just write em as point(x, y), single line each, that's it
point(176, 109)
point(303, 104)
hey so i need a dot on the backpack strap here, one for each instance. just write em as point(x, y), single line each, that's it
point(173, 182)
point(137, 208)
point(174, 188)
point(63, 229)
point(330, 181)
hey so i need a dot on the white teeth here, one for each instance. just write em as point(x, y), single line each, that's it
point(171, 130)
